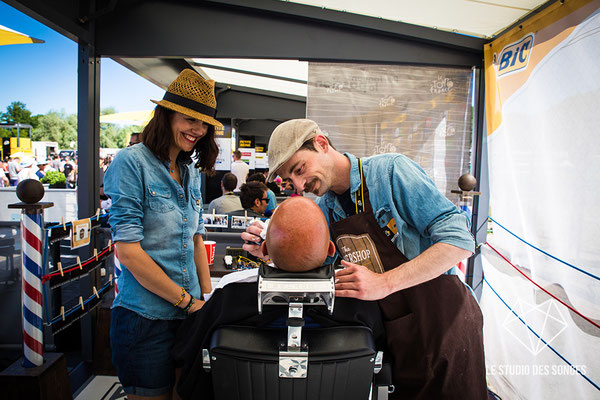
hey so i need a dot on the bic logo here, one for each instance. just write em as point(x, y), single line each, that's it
point(514, 57)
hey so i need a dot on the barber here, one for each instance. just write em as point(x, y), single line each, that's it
point(399, 238)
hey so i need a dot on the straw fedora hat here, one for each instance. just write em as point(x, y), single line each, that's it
point(192, 95)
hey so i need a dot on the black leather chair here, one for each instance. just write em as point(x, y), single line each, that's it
point(296, 362)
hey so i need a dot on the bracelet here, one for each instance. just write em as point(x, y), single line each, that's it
point(182, 297)
point(190, 304)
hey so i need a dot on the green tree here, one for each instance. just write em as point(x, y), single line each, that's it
point(57, 127)
point(17, 113)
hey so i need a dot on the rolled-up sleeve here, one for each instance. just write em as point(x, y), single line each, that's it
point(421, 204)
point(124, 185)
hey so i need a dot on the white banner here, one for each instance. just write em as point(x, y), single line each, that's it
point(543, 98)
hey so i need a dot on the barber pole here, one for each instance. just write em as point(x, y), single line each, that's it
point(33, 337)
point(30, 192)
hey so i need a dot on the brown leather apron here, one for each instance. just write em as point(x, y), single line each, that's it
point(434, 330)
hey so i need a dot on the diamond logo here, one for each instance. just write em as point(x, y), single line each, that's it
point(545, 319)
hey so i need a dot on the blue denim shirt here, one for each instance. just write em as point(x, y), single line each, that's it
point(150, 207)
point(400, 189)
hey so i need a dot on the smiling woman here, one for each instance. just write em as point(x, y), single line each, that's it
point(156, 221)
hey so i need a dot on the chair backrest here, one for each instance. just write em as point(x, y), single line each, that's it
point(245, 364)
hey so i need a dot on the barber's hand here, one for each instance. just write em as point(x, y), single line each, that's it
point(360, 282)
point(196, 306)
point(252, 235)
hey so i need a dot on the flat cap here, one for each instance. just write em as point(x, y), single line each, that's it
point(286, 139)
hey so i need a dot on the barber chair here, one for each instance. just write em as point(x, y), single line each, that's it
point(296, 362)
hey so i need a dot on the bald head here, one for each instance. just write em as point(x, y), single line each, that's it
point(298, 236)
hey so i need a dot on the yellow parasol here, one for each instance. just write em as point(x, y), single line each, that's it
point(8, 36)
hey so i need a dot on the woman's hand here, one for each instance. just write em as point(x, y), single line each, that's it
point(196, 306)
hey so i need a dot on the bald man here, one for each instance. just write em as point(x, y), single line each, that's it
point(298, 236)
point(297, 240)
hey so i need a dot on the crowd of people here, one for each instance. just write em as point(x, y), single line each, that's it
point(255, 197)
point(17, 169)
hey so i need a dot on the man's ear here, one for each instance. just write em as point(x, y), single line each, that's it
point(263, 248)
point(330, 249)
point(257, 203)
point(321, 142)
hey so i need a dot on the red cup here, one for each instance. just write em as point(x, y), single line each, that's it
point(209, 245)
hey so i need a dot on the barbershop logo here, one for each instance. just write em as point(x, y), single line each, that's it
point(441, 85)
point(515, 56)
point(360, 249)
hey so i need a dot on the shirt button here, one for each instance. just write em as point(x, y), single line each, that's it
point(184, 270)
point(185, 245)
point(180, 195)
point(185, 220)
point(153, 192)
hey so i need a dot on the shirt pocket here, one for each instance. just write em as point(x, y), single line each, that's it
point(159, 198)
point(196, 195)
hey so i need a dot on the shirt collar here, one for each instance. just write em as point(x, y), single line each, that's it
point(330, 196)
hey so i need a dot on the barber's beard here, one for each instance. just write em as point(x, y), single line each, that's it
point(310, 186)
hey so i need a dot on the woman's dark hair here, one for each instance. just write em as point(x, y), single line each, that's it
point(158, 137)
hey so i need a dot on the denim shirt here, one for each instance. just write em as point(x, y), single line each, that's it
point(150, 207)
point(400, 189)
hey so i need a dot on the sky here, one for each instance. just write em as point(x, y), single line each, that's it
point(44, 75)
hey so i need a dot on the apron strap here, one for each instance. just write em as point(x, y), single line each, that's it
point(359, 195)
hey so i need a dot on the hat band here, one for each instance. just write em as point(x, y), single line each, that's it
point(191, 104)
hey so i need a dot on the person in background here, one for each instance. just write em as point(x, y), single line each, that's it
point(253, 196)
point(5, 164)
point(105, 201)
point(41, 165)
point(13, 170)
point(229, 201)
point(134, 138)
point(4, 181)
point(28, 171)
point(156, 223)
point(239, 169)
point(68, 161)
point(70, 175)
point(259, 177)
point(274, 186)
point(56, 164)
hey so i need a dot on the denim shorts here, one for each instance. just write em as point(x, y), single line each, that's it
point(141, 352)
